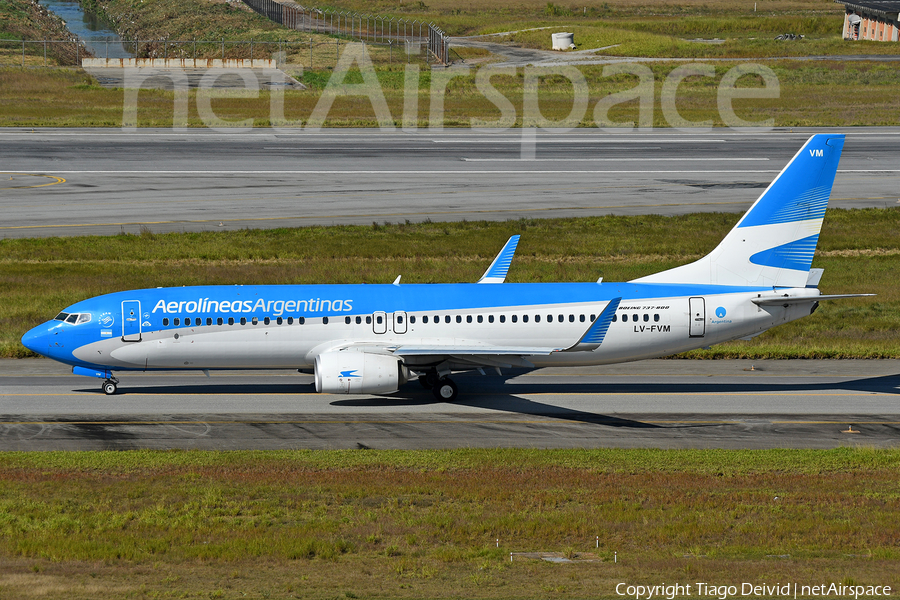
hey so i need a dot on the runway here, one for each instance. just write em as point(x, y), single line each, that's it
point(100, 181)
point(656, 404)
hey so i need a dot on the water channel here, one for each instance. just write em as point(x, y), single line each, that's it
point(98, 35)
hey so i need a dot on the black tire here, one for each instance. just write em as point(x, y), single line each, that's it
point(445, 390)
point(109, 388)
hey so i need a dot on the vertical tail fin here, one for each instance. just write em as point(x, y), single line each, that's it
point(774, 242)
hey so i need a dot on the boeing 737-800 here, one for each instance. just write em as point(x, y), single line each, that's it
point(371, 339)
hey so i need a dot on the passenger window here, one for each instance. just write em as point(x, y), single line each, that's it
point(412, 320)
point(358, 320)
point(425, 319)
point(503, 318)
point(468, 318)
point(301, 320)
point(581, 318)
point(255, 320)
point(481, 318)
point(515, 318)
point(177, 321)
point(646, 317)
point(524, 318)
point(458, 319)
point(624, 318)
point(290, 320)
point(399, 319)
point(378, 319)
point(267, 320)
point(549, 318)
point(537, 318)
point(346, 320)
point(243, 320)
point(571, 318)
point(656, 318)
point(368, 320)
point(165, 321)
point(634, 318)
point(219, 321)
point(593, 317)
point(279, 321)
point(447, 319)
point(231, 320)
point(562, 318)
point(615, 318)
point(325, 320)
point(209, 320)
point(490, 318)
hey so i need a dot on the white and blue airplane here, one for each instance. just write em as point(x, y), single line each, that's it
point(371, 339)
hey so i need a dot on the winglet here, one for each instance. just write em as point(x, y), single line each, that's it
point(496, 273)
point(593, 337)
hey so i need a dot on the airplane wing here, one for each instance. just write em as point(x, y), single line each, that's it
point(496, 273)
point(494, 355)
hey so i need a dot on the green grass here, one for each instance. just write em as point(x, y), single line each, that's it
point(859, 250)
point(811, 94)
point(394, 524)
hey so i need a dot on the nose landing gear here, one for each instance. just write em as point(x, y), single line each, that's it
point(109, 386)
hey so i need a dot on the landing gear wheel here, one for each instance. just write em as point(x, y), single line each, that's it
point(109, 387)
point(445, 390)
point(423, 379)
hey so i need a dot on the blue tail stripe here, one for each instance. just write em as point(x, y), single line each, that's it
point(797, 255)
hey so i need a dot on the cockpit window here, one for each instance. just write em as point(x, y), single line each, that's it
point(74, 318)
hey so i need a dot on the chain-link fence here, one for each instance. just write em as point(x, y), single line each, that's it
point(42, 53)
point(373, 29)
point(314, 53)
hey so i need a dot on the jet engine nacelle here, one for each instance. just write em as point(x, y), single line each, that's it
point(350, 372)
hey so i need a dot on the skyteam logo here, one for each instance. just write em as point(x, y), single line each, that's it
point(349, 374)
point(720, 316)
point(107, 319)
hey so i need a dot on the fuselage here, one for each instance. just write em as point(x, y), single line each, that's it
point(287, 326)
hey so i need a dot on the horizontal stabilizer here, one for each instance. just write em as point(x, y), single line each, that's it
point(785, 300)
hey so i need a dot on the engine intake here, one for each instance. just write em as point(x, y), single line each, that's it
point(351, 372)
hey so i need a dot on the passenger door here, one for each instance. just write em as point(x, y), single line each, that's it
point(131, 321)
point(698, 317)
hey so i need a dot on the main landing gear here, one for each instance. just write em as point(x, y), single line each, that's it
point(109, 386)
point(443, 388)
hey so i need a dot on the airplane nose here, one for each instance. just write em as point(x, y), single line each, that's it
point(36, 339)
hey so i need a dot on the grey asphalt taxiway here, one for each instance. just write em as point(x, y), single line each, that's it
point(657, 404)
point(106, 181)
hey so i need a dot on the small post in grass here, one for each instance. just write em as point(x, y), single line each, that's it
point(598, 541)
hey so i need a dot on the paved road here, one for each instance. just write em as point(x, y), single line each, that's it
point(660, 403)
point(72, 182)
